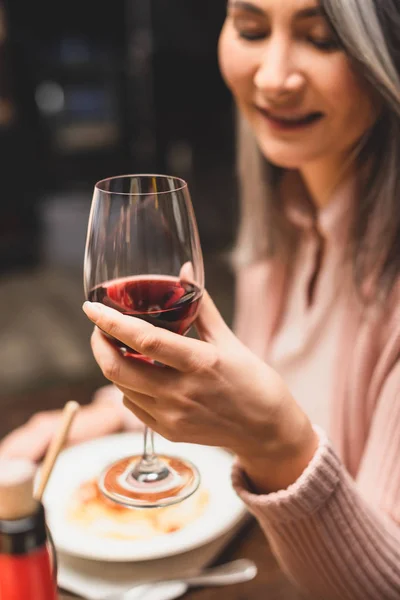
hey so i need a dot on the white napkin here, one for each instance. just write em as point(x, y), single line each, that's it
point(95, 580)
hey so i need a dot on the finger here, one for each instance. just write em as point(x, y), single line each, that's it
point(187, 273)
point(141, 414)
point(209, 324)
point(154, 342)
point(130, 373)
point(143, 401)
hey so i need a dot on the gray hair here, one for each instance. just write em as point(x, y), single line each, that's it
point(371, 38)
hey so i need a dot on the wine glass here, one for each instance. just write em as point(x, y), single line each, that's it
point(143, 258)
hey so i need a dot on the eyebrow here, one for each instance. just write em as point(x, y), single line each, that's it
point(304, 13)
point(309, 13)
point(246, 6)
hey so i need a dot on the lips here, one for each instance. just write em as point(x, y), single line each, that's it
point(291, 121)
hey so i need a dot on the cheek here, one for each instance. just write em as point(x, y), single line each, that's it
point(236, 64)
point(352, 107)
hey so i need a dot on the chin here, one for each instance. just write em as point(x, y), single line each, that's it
point(286, 157)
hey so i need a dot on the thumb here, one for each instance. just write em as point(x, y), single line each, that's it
point(209, 324)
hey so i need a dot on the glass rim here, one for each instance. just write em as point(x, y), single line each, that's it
point(181, 184)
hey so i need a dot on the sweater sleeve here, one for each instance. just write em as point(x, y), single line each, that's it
point(335, 537)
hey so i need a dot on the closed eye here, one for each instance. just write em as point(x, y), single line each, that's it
point(326, 44)
point(251, 36)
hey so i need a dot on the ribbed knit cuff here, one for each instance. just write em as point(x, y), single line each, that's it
point(304, 497)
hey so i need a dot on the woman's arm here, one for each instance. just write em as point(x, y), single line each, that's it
point(213, 393)
point(334, 536)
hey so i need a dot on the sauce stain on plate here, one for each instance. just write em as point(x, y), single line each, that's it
point(89, 509)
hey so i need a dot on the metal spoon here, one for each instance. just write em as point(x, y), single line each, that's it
point(237, 571)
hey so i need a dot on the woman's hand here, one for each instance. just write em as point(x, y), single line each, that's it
point(31, 441)
point(212, 392)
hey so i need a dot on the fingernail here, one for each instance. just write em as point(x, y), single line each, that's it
point(92, 310)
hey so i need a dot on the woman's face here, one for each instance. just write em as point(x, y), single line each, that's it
point(292, 81)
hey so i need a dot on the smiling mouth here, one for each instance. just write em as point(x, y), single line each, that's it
point(291, 122)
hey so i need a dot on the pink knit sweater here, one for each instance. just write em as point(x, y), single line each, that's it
point(335, 532)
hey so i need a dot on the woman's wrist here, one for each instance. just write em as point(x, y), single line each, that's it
point(284, 462)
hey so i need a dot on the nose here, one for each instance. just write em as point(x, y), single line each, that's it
point(277, 74)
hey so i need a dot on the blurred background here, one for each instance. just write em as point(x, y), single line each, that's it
point(88, 92)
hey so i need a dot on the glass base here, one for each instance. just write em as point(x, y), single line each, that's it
point(127, 484)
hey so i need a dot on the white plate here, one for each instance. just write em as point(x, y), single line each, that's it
point(79, 463)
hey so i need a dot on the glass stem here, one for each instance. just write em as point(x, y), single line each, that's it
point(148, 444)
point(149, 462)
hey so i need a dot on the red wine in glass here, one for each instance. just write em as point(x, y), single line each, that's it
point(162, 301)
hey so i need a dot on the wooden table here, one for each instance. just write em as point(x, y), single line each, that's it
point(270, 584)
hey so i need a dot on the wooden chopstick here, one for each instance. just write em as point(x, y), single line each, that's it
point(56, 445)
